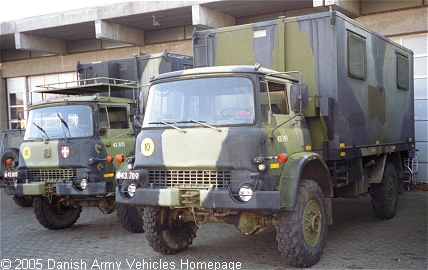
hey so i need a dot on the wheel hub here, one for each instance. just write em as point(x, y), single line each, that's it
point(312, 223)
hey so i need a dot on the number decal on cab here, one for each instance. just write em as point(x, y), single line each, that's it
point(147, 147)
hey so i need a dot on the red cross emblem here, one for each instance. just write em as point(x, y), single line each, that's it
point(65, 151)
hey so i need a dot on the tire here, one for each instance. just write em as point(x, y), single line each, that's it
point(165, 233)
point(55, 215)
point(11, 153)
point(301, 234)
point(384, 196)
point(130, 217)
point(23, 201)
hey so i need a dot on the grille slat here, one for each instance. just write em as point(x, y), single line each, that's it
point(174, 178)
point(51, 175)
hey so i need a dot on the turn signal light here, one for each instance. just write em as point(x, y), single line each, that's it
point(9, 161)
point(109, 159)
point(282, 158)
point(120, 158)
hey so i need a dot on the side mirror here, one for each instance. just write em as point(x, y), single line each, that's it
point(138, 121)
point(299, 97)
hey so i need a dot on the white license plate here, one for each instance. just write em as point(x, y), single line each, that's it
point(10, 174)
point(128, 175)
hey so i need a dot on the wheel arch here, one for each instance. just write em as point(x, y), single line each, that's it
point(299, 166)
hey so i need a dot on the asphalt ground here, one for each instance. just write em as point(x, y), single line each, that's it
point(356, 240)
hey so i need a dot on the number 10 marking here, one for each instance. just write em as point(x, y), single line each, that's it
point(147, 147)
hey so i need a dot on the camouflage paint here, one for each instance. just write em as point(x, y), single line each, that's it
point(360, 112)
point(349, 117)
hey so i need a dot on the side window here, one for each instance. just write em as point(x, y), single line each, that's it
point(273, 99)
point(103, 121)
point(118, 117)
point(357, 67)
point(402, 72)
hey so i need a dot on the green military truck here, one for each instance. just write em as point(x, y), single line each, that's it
point(326, 112)
point(74, 140)
point(9, 155)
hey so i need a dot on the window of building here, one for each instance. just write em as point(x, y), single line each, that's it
point(357, 67)
point(17, 100)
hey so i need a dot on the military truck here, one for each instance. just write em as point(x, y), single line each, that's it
point(74, 140)
point(279, 118)
point(9, 154)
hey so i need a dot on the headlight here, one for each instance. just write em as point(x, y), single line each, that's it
point(131, 189)
point(245, 192)
point(83, 183)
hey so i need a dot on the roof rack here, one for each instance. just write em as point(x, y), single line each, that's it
point(88, 86)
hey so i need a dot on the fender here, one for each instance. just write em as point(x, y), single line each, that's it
point(377, 169)
point(304, 165)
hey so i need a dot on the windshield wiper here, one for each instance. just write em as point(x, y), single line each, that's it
point(201, 123)
point(42, 130)
point(65, 124)
point(170, 125)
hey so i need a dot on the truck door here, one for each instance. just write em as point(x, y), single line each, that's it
point(288, 131)
point(115, 130)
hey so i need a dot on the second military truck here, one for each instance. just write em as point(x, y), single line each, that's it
point(76, 135)
point(326, 112)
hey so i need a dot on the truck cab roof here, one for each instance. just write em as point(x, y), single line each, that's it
point(226, 69)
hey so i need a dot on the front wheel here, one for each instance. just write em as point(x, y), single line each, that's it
point(55, 215)
point(384, 196)
point(301, 233)
point(23, 201)
point(130, 217)
point(166, 232)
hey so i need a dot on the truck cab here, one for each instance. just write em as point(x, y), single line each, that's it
point(67, 159)
point(221, 144)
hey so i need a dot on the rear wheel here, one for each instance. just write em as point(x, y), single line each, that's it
point(55, 215)
point(130, 217)
point(166, 233)
point(384, 196)
point(301, 233)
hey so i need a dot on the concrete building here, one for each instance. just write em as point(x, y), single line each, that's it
point(45, 49)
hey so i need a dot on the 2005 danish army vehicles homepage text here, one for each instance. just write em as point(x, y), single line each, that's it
point(70, 151)
point(329, 114)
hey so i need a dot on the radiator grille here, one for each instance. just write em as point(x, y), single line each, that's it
point(172, 178)
point(51, 175)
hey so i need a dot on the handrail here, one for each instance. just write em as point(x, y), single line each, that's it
point(89, 82)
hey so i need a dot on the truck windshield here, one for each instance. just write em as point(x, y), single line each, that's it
point(215, 101)
point(57, 122)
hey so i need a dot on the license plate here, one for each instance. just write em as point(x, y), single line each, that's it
point(128, 175)
point(10, 174)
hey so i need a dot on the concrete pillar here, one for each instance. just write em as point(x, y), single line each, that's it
point(117, 32)
point(3, 104)
point(349, 8)
point(204, 17)
point(41, 44)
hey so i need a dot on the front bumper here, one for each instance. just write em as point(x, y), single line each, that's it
point(200, 198)
point(60, 189)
